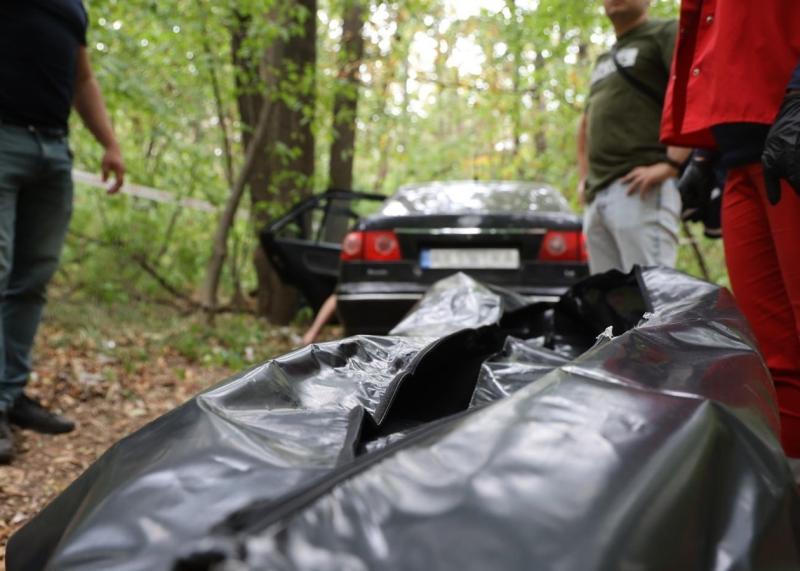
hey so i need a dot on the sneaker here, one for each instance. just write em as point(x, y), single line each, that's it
point(28, 413)
point(6, 440)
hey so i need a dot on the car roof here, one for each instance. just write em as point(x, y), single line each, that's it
point(466, 196)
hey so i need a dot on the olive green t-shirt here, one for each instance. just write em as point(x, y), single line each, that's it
point(623, 123)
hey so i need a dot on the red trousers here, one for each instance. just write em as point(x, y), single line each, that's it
point(762, 249)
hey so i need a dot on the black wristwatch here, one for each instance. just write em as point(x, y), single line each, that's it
point(674, 164)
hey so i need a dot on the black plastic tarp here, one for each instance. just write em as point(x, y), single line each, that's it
point(631, 425)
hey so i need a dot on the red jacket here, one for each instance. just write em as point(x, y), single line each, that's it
point(733, 61)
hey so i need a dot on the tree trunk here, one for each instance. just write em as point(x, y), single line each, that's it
point(284, 79)
point(345, 113)
point(386, 141)
point(345, 104)
point(220, 250)
point(537, 95)
point(516, 80)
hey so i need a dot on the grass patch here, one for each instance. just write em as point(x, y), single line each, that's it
point(137, 332)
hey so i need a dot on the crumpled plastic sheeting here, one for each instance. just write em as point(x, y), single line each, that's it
point(255, 437)
point(457, 302)
point(489, 448)
point(570, 473)
point(520, 363)
point(654, 450)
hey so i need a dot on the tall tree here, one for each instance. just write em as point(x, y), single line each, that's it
point(515, 44)
point(345, 103)
point(282, 77)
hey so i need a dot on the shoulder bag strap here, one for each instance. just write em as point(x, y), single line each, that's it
point(636, 83)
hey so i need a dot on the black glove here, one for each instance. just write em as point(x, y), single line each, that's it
point(695, 185)
point(712, 220)
point(781, 156)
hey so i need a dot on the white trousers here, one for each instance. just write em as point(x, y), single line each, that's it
point(624, 230)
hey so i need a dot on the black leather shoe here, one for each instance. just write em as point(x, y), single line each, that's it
point(6, 440)
point(28, 413)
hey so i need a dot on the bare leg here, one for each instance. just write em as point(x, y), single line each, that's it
point(323, 316)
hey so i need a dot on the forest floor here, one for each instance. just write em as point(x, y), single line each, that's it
point(113, 368)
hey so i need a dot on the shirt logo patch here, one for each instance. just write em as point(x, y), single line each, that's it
point(627, 58)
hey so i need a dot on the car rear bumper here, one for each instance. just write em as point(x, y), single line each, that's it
point(376, 307)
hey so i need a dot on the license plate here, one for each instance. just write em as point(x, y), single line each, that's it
point(470, 259)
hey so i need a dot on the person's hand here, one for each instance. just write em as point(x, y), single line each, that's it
point(695, 185)
point(642, 179)
point(112, 163)
point(781, 156)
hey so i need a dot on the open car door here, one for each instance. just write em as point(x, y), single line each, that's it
point(304, 245)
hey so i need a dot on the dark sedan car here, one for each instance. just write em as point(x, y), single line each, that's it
point(518, 235)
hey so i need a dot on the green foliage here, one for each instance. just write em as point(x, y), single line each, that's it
point(487, 78)
point(136, 333)
point(447, 92)
point(156, 63)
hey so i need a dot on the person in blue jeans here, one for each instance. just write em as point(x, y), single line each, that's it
point(44, 72)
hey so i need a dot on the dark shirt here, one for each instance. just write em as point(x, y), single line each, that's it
point(795, 82)
point(623, 122)
point(39, 41)
point(743, 143)
point(740, 144)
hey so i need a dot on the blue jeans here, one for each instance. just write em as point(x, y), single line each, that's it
point(35, 209)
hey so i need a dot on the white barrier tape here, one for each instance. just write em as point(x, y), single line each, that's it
point(145, 192)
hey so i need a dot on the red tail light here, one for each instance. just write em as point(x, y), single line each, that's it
point(563, 247)
point(374, 245)
point(382, 246)
point(583, 255)
point(353, 246)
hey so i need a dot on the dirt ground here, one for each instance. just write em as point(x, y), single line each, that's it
point(109, 394)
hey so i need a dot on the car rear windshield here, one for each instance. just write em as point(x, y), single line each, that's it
point(471, 197)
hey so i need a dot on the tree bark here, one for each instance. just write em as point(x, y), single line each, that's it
point(345, 114)
point(345, 104)
point(284, 77)
point(275, 100)
point(540, 138)
point(516, 80)
point(220, 251)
